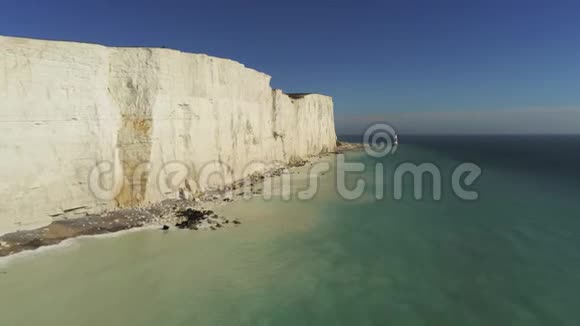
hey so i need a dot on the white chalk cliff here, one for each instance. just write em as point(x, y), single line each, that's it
point(151, 119)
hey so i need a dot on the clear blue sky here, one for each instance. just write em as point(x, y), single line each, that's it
point(384, 58)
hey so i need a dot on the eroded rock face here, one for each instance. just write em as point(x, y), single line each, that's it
point(156, 119)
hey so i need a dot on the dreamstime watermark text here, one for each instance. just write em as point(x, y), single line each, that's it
point(117, 180)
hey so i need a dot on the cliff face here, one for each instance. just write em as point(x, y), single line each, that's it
point(156, 122)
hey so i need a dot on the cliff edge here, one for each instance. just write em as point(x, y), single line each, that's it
point(86, 127)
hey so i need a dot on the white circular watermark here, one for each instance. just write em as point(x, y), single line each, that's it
point(380, 139)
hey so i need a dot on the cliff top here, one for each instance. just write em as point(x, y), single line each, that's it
point(4, 38)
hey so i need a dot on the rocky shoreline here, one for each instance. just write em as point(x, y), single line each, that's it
point(169, 214)
point(196, 214)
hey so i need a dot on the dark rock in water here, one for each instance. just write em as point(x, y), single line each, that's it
point(165, 227)
point(236, 221)
point(181, 225)
point(192, 217)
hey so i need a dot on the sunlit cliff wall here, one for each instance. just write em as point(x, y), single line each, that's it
point(153, 119)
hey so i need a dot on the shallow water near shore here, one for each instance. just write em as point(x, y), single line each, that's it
point(510, 258)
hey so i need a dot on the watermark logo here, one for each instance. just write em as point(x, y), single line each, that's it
point(380, 140)
point(383, 173)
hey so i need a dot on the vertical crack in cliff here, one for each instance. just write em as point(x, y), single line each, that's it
point(276, 134)
point(134, 86)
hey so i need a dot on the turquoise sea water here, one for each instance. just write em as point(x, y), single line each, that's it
point(510, 258)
